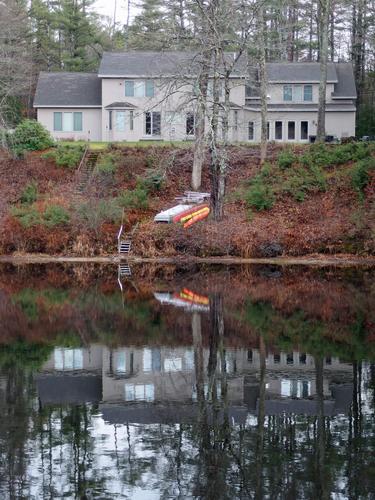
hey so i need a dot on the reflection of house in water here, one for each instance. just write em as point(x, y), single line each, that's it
point(159, 384)
point(71, 376)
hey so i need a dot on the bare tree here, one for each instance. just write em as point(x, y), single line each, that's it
point(15, 60)
point(263, 85)
point(323, 56)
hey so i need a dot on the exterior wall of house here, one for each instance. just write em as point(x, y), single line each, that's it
point(339, 124)
point(171, 99)
point(174, 101)
point(276, 92)
point(91, 123)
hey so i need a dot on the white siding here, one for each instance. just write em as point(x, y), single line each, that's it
point(91, 123)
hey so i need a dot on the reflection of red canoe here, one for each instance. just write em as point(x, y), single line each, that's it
point(189, 211)
point(197, 218)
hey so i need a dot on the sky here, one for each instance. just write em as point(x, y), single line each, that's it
point(107, 7)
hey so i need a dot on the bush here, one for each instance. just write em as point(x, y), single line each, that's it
point(29, 216)
point(29, 194)
point(286, 159)
point(107, 164)
point(361, 174)
point(136, 198)
point(302, 180)
point(66, 155)
point(260, 195)
point(55, 215)
point(30, 135)
point(96, 212)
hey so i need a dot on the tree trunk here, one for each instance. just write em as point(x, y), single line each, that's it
point(263, 88)
point(218, 159)
point(323, 53)
point(200, 143)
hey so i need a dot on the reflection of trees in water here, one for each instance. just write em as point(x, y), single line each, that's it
point(267, 456)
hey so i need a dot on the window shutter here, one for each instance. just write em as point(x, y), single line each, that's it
point(129, 88)
point(149, 88)
point(57, 122)
point(78, 122)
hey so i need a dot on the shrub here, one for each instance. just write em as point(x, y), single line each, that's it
point(66, 155)
point(96, 212)
point(136, 198)
point(303, 180)
point(107, 164)
point(30, 193)
point(361, 174)
point(260, 195)
point(55, 215)
point(153, 180)
point(27, 216)
point(286, 159)
point(30, 135)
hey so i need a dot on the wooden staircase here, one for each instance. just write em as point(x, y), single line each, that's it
point(85, 170)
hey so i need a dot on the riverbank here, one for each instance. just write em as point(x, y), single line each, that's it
point(306, 200)
point(317, 260)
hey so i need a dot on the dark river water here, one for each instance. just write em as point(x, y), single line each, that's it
point(207, 383)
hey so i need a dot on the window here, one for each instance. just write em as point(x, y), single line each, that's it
point(278, 131)
point(291, 131)
point(67, 122)
point(131, 119)
point(120, 121)
point(251, 131)
point(298, 93)
point(236, 121)
point(68, 359)
point(147, 360)
point(139, 392)
point(153, 123)
point(268, 131)
point(295, 388)
point(129, 88)
point(210, 88)
point(302, 359)
point(276, 359)
point(190, 123)
point(172, 364)
point(250, 356)
point(120, 362)
point(289, 358)
point(139, 88)
point(110, 118)
point(288, 93)
point(307, 93)
point(304, 131)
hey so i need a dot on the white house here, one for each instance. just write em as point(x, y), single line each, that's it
point(150, 96)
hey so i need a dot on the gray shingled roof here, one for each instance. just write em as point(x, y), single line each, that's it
point(341, 74)
point(153, 63)
point(68, 89)
point(117, 105)
point(299, 72)
point(346, 83)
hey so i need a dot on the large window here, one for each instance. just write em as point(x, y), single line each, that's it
point(190, 123)
point(134, 88)
point(67, 122)
point(278, 131)
point(304, 131)
point(139, 392)
point(153, 123)
point(68, 359)
point(298, 93)
point(120, 121)
point(291, 131)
